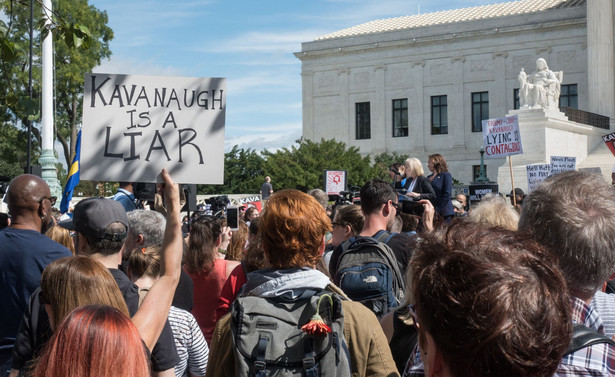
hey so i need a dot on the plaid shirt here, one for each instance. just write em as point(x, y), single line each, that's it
point(596, 360)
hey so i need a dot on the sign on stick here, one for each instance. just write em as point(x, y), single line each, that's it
point(560, 164)
point(133, 126)
point(536, 174)
point(501, 137)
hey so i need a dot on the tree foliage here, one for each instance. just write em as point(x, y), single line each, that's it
point(81, 41)
point(243, 173)
point(384, 160)
point(302, 167)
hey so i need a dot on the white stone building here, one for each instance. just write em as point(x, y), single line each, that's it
point(421, 84)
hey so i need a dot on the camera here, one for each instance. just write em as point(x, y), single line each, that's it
point(351, 196)
point(218, 204)
point(412, 207)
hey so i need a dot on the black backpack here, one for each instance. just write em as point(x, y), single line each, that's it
point(268, 339)
point(368, 272)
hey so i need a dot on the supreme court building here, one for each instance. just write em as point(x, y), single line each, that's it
point(422, 84)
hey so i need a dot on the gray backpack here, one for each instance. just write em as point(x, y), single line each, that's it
point(268, 339)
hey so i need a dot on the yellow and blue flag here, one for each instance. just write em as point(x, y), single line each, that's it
point(73, 177)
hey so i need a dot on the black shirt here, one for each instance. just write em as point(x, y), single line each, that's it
point(164, 354)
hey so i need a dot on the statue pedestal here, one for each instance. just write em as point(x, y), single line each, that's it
point(546, 133)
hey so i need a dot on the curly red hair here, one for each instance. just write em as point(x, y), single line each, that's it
point(292, 228)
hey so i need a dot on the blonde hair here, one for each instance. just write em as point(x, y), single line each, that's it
point(415, 166)
point(61, 236)
point(71, 282)
point(145, 261)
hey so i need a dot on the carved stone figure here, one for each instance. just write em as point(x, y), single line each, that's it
point(541, 89)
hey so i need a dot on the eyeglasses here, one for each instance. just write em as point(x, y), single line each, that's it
point(51, 199)
point(339, 224)
point(396, 205)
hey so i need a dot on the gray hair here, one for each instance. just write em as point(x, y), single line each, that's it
point(573, 214)
point(150, 224)
point(495, 211)
point(320, 196)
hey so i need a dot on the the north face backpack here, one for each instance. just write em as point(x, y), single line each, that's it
point(368, 272)
point(269, 340)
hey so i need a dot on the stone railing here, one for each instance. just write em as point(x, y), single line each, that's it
point(585, 117)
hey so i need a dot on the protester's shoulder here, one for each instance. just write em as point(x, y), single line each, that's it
point(33, 241)
point(595, 360)
point(357, 313)
point(402, 240)
point(604, 305)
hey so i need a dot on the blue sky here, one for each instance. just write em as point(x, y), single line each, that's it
point(251, 43)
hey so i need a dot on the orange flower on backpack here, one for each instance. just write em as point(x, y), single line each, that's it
point(317, 325)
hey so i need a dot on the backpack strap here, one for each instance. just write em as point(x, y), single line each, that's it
point(583, 336)
point(384, 236)
point(309, 361)
point(260, 366)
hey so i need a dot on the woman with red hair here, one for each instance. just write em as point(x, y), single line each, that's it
point(95, 340)
point(101, 340)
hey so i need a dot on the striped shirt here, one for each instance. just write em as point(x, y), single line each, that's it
point(596, 360)
point(604, 304)
point(191, 346)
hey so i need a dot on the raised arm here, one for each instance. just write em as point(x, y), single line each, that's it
point(153, 313)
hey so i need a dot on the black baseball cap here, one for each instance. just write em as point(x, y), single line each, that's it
point(518, 192)
point(92, 216)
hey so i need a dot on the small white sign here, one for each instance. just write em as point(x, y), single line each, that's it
point(560, 164)
point(335, 181)
point(133, 126)
point(501, 137)
point(536, 174)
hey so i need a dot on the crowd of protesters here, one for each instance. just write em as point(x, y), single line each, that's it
point(495, 289)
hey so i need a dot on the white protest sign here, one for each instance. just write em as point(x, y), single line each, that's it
point(501, 137)
point(133, 126)
point(560, 164)
point(536, 174)
point(335, 181)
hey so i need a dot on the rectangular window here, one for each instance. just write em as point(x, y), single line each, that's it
point(569, 96)
point(362, 116)
point(400, 117)
point(439, 115)
point(516, 99)
point(480, 110)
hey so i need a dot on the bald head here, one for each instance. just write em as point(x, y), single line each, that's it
point(26, 203)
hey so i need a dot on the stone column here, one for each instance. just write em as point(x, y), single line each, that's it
point(600, 66)
point(380, 130)
point(497, 97)
point(456, 108)
point(308, 104)
point(346, 129)
point(417, 120)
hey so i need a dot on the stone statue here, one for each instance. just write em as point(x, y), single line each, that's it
point(541, 88)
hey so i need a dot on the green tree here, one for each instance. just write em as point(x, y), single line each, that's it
point(302, 167)
point(81, 41)
point(382, 162)
point(12, 150)
point(243, 173)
